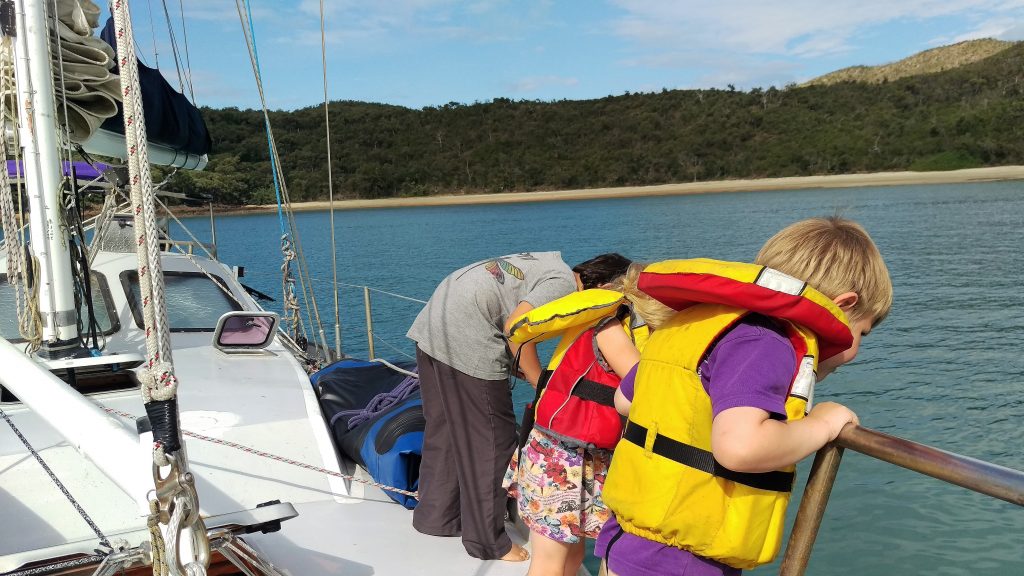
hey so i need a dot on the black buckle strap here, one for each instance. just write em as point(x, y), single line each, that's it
point(594, 392)
point(687, 455)
point(530, 412)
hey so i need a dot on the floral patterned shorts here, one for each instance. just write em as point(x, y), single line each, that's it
point(558, 487)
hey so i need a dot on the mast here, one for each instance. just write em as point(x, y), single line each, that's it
point(38, 136)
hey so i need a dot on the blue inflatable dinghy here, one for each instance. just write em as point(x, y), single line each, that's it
point(376, 417)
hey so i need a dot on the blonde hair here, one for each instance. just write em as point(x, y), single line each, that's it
point(835, 256)
point(653, 312)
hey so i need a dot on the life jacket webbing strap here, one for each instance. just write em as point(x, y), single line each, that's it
point(594, 392)
point(699, 459)
point(529, 414)
point(608, 550)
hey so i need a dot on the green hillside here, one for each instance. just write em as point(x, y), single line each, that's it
point(969, 116)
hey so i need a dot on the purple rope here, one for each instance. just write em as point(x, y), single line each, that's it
point(379, 403)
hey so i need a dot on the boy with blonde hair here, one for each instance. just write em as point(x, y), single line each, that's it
point(700, 482)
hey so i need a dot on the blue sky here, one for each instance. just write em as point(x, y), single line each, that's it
point(420, 53)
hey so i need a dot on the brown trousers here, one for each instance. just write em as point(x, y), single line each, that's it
point(467, 444)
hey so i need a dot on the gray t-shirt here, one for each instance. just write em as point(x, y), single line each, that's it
point(463, 323)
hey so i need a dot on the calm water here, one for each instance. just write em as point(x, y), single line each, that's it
point(946, 368)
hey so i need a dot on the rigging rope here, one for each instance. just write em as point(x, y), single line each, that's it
point(22, 266)
point(159, 549)
point(46, 468)
point(174, 46)
point(330, 183)
point(152, 35)
point(101, 222)
point(309, 364)
point(7, 210)
point(290, 305)
point(268, 455)
point(159, 384)
point(291, 312)
point(188, 60)
point(280, 187)
point(250, 40)
point(239, 546)
point(103, 219)
point(393, 347)
point(56, 567)
point(378, 403)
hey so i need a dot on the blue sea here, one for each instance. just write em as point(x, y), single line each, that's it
point(945, 369)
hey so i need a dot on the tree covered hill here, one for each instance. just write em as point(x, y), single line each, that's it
point(969, 116)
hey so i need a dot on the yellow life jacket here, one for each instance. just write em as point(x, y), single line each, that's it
point(575, 395)
point(572, 315)
point(664, 484)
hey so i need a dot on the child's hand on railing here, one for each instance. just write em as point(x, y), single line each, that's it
point(834, 416)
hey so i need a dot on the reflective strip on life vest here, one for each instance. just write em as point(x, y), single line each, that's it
point(680, 284)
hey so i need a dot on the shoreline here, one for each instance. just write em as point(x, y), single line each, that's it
point(968, 175)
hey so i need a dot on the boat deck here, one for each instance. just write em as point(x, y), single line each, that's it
point(247, 418)
point(372, 536)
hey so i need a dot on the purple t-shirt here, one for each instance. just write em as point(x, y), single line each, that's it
point(752, 365)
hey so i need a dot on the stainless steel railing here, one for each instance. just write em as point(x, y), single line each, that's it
point(976, 475)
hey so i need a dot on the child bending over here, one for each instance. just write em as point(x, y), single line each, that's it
point(557, 476)
point(700, 482)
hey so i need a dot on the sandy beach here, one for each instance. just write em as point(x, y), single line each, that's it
point(792, 183)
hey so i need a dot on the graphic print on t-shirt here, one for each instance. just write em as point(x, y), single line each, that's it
point(496, 266)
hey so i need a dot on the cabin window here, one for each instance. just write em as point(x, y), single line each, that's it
point(102, 305)
point(194, 302)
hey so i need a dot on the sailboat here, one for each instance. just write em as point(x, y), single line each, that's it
point(235, 470)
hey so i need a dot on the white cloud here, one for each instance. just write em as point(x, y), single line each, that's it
point(332, 37)
point(819, 45)
point(392, 13)
point(535, 83)
point(804, 28)
point(1014, 32)
point(1002, 28)
point(213, 87)
point(748, 74)
point(752, 43)
point(217, 11)
point(666, 59)
point(483, 21)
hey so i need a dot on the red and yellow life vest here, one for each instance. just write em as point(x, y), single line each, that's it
point(576, 394)
point(664, 483)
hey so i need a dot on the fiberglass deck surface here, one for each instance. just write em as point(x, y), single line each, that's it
point(372, 537)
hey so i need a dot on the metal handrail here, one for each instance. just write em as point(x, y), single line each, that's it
point(976, 475)
point(369, 320)
point(187, 246)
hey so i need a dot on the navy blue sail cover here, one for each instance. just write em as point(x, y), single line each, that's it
point(171, 119)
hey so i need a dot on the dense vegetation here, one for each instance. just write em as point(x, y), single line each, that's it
point(965, 117)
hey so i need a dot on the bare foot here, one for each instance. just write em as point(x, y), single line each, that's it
point(516, 554)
